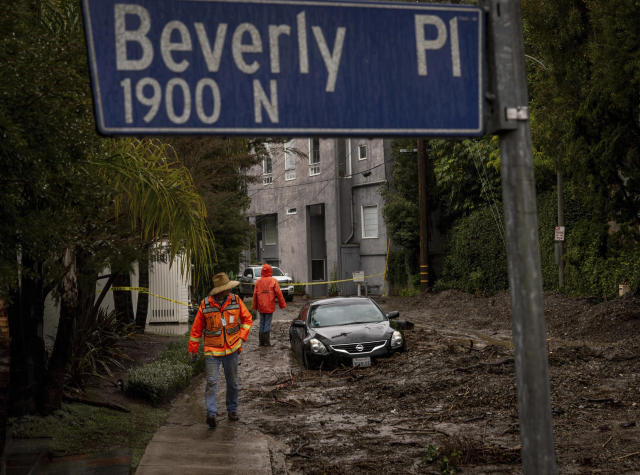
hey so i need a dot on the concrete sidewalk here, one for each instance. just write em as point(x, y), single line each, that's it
point(185, 444)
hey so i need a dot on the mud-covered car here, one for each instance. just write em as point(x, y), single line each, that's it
point(347, 330)
point(251, 275)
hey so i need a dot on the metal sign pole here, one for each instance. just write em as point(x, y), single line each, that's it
point(508, 75)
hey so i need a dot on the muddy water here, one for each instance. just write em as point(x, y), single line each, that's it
point(450, 401)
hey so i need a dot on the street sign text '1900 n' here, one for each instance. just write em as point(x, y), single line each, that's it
point(285, 67)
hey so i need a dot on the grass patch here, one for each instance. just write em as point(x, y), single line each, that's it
point(80, 429)
point(77, 429)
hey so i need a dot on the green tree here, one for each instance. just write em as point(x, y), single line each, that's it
point(585, 84)
point(218, 166)
point(73, 203)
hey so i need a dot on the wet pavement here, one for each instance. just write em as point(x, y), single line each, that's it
point(185, 444)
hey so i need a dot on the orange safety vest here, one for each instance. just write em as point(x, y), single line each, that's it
point(224, 327)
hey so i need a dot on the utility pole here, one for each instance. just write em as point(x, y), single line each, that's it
point(423, 214)
point(510, 119)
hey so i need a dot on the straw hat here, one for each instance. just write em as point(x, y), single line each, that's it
point(221, 283)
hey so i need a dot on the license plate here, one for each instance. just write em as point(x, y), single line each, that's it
point(363, 362)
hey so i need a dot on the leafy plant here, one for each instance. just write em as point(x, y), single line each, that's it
point(159, 381)
point(448, 463)
point(95, 351)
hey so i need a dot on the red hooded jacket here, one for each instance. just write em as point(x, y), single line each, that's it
point(265, 292)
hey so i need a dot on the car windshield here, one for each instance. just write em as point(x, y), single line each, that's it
point(276, 271)
point(345, 314)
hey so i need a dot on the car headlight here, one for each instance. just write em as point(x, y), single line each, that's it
point(396, 339)
point(317, 347)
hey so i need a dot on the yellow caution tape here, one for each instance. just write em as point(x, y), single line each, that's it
point(323, 282)
point(147, 291)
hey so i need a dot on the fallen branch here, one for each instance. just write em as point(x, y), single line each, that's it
point(90, 402)
point(346, 370)
point(480, 365)
point(408, 429)
point(628, 455)
point(606, 400)
point(473, 419)
point(414, 431)
point(297, 451)
point(608, 440)
point(370, 420)
point(275, 397)
point(327, 404)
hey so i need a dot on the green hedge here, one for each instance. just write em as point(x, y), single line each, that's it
point(159, 381)
point(476, 258)
point(596, 260)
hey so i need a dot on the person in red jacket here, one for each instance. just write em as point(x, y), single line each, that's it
point(225, 321)
point(265, 293)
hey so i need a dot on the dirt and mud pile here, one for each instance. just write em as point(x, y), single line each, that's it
point(450, 401)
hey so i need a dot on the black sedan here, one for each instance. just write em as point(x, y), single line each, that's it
point(348, 330)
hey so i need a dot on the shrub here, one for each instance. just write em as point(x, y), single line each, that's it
point(596, 260)
point(95, 350)
point(159, 381)
point(476, 256)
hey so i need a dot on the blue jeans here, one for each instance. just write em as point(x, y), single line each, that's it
point(265, 322)
point(212, 368)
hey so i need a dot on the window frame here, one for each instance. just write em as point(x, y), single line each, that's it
point(267, 176)
point(314, 156)
point(273, 221)
point(363, 227)
point(365, 147)
point(289, 161)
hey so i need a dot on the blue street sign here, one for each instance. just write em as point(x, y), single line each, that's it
point(280, 67)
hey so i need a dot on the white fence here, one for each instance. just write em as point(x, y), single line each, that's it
point(168, 315)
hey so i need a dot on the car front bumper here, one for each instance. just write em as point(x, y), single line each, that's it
point(333, 357)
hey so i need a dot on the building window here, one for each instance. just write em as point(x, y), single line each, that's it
point(369, 222)
point(362, 152)
point(289, 161)
point(267, 169)
point(292, 211)
point(314, 156)
point(270, 231)
point(317, 270)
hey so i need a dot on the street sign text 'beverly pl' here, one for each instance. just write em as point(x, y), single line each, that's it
point(285, 67)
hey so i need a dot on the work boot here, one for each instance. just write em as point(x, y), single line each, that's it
point(267, 338)
point(211, 420)
point(233, 416)
point(261, 339)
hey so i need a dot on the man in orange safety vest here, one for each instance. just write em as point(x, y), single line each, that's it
point(225, 321)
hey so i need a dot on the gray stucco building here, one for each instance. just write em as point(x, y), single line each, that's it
point(317, 209)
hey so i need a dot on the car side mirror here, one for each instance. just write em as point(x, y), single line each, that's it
point(394, 314)
point(299, 323)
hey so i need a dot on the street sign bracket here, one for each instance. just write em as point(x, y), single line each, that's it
point(517, 113)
